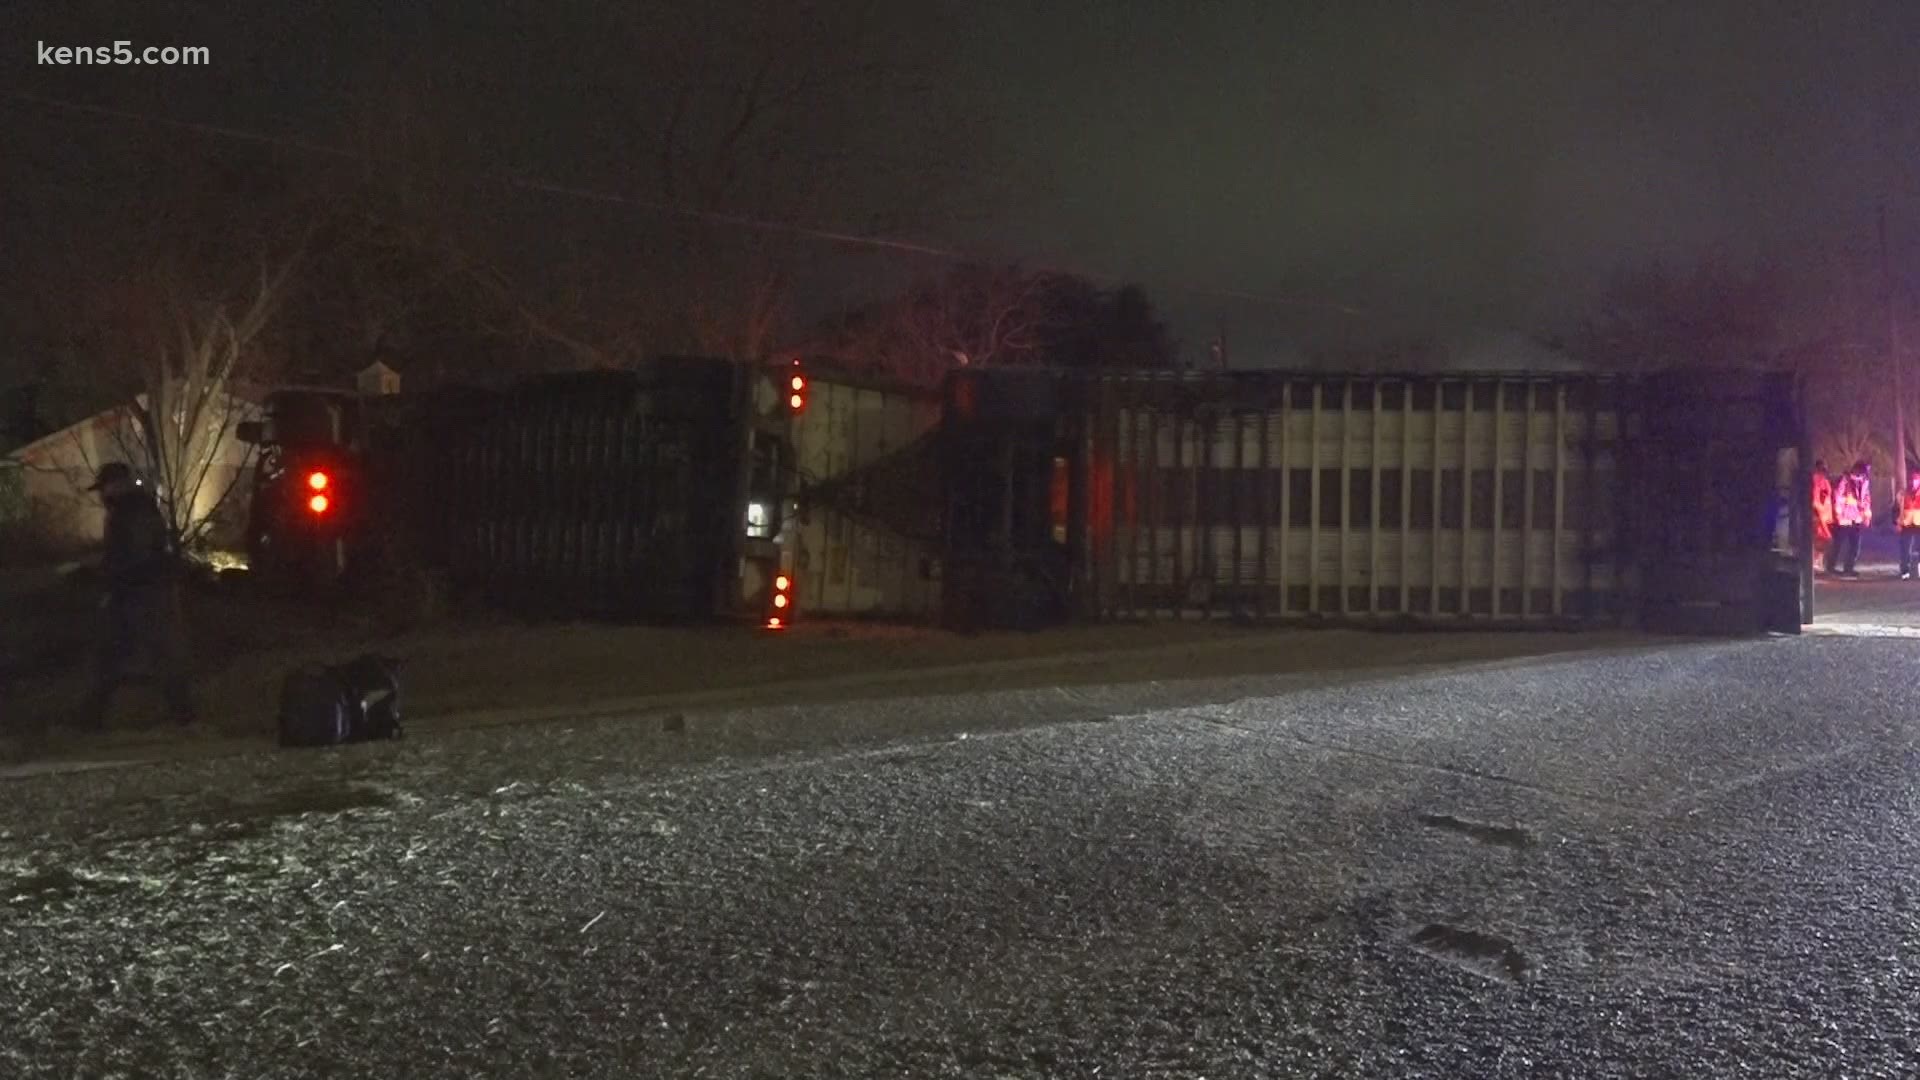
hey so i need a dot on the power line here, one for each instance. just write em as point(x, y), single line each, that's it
point(547, 187)
point(524, 183)
point(738, 220)
point(218, 130)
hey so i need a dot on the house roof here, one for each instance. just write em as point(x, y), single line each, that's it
point(251, 395)
point(46, 443)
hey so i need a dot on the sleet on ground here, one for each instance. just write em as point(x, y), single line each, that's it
point(456, 665)
point(1698, 860)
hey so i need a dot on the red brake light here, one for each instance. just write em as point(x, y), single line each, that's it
point(318, 481)
point(796, 401)
point(780, 601)
point(798, 382)
point(318, 504)
point(780, 604)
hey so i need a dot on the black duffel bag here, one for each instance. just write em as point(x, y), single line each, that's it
point(358, 701)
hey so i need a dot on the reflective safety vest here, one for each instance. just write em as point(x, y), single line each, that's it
point(1852, 501)
point(1823, 498)
point(1910, 509)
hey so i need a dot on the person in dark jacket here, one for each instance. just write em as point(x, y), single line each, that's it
point(143, 598)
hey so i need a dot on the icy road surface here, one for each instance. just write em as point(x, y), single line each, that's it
point(1694, 863)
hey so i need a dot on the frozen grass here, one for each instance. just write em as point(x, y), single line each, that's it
point(244, 644)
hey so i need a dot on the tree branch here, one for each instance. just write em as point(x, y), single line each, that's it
point(747, 106)
point(669, 143)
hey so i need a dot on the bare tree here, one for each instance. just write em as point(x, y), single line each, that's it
point(1826, 323)
point(760, 122)
point(411, 269)
point(714, 154)
point(981, 316)
point(191, 401)
point(1716, 314)
point(985, 316)
point(976, 316)
point(169, 301)
point(412, 264)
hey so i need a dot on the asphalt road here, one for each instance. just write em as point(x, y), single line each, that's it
point(1696, 862)
point(1875, 602)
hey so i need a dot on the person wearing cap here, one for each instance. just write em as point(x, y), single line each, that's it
point(143, 599)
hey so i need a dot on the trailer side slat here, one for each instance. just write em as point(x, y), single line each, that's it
point(1431, 521)
point(1313, 502)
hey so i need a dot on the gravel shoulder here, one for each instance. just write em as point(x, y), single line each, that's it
point(1512, 869)
point(530, 675)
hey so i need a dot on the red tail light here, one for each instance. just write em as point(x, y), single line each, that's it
point(780, 602)
point(797, 384)
point(319, 504)
point(318, 480)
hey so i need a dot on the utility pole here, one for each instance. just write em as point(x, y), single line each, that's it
point(1893, 356)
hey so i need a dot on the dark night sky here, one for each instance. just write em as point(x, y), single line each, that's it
point(1442, 165)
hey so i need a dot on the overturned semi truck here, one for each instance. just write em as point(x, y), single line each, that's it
point(1666, 501)
point(683, 489)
